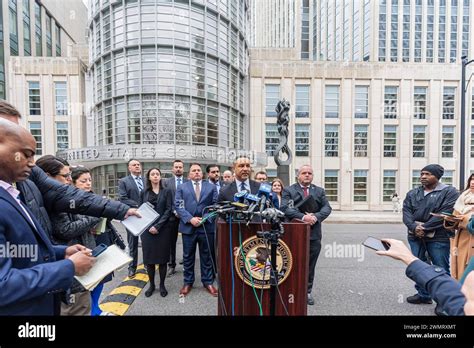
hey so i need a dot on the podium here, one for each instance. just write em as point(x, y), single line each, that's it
point(245, 266)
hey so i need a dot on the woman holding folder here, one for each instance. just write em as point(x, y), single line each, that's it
point(157, 239)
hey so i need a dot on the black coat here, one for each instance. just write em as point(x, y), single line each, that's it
point(46, 196)
point(227, 193)
point(128, 191)
point(293, 194)
point(170, 183)
point(156, 247)
point(417, 207)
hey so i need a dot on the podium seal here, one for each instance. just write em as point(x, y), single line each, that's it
point(252, 262)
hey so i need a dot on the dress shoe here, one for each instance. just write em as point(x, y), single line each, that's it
point(439, 311)
point(171, 271)
point(185, 290)
point(150, 291)
point(212, 290)
point(310, 300)
point(131, 272)
point(417, 299)
point(163, 291)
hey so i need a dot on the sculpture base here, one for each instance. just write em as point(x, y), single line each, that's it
point(283, 172)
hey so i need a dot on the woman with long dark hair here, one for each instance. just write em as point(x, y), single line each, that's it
point(157, 240)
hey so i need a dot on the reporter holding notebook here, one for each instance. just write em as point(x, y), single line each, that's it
point(295, 194)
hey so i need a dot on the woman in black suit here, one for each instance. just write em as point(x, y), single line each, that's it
point(156, 241)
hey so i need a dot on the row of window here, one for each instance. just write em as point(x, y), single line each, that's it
point(361, 140)
point(361, 101)
point(13, 25)
point(361, 183)
point(62, 136)
point(34, 98)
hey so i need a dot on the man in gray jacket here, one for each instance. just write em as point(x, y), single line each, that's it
point(294, 194)
point(426, 233)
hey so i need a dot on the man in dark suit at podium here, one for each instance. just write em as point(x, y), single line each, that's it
point(242, 181)
point(129, 193)
point(293, 195)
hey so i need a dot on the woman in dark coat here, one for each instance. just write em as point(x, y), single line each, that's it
point(157, 240)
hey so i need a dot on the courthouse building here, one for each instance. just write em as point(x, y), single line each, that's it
point(374, 88)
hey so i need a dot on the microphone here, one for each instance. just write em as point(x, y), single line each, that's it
point(264, 193)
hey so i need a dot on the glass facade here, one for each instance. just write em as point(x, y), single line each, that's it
point(170, 72)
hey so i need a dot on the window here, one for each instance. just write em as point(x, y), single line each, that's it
point(38, 31)
point(389, 184)
point(390, 102)
point(35, 130)
point(26, 28)
point(305, 30)
point(271, 138)
point(390, 141)
point(12, 5)
point(415, 179)
point(332, 101)
point(49, 38)
point(449, 94)
point(34, 98)
point(302, 140)
point(62, 136)
point(361, 102)
point(272, 97)
point(302, 101)
point(420, 103)
point(60, 89)
point(58, 41)
point(331, 184)
point(419, 141)
point(361, 140)
point(360, 185)
point(472, 105)
point(447, 178)
point(331, 141)
point(447, 142)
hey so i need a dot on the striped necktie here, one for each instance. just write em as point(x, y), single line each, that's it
point(138, 179)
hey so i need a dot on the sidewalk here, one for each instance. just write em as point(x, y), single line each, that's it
point(364, 217)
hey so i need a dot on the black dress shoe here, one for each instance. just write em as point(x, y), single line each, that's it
point(171, 271)
point(131, 272)
point(439, 311)
point(150, 291)
point(310, 300)
point(163, 291)
point(417, 299)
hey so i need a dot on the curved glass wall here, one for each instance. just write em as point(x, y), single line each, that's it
point(171, 72)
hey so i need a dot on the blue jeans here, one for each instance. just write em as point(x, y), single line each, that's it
point(437, 251)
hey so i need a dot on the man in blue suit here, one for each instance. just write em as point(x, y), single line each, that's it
point(191, 199)
point(29, 280)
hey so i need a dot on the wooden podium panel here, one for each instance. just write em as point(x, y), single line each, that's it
point(292, 291)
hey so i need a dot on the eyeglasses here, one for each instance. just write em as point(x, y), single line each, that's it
point(65, 176)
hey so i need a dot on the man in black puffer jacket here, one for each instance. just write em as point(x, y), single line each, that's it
point(426, 233)
point(45, 196)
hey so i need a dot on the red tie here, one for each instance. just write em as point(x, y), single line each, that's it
point(305, 192)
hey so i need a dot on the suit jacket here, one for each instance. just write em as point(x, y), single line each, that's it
point(163, 206)
point(128, 191)
point(29, 284)
point(295, 194)
point(170, 183)
point(187, 206)
point(227, 193)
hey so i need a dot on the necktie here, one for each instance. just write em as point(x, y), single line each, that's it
point(139, 183)
point(178, 182)
point(197, 190)
point(218, 186)
point(242, 186)
point(305, 192)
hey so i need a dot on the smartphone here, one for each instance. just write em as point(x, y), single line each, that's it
point(99, 250)
point(376, 244)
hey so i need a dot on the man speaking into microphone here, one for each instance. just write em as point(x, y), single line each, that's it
point(295, 194)
point(242, 181)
